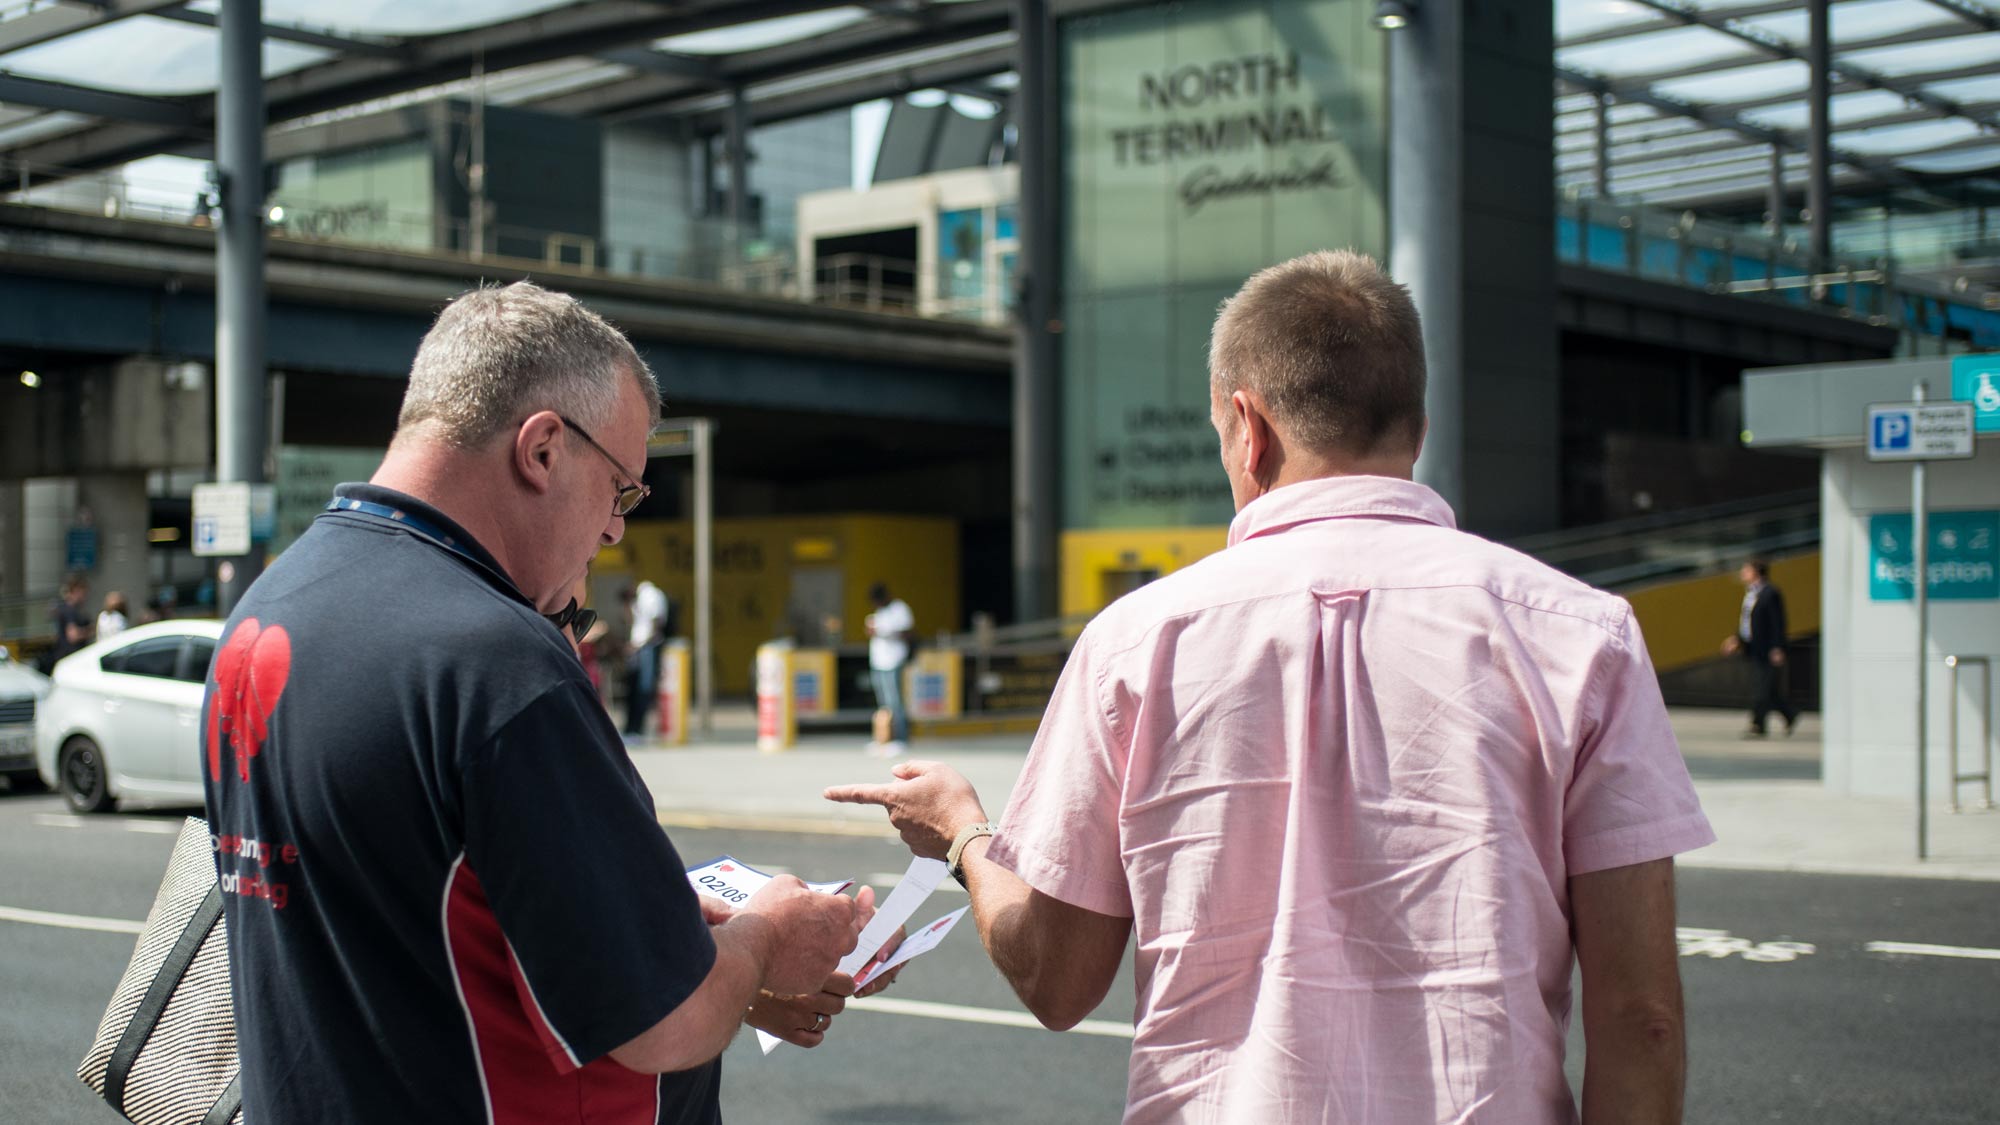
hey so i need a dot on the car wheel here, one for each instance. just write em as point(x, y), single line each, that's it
point(24, 781)
point(81, 774)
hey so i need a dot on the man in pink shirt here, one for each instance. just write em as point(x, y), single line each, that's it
point(1364, 786)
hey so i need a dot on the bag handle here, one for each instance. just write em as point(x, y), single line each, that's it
point(225, 1107)
point(157, 994)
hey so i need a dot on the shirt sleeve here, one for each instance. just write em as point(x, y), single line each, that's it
point(1060, 832)
point(586, 887)
point(1630, 799)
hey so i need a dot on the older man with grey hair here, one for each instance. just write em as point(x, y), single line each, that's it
point(1365, 788)
point(447, 894)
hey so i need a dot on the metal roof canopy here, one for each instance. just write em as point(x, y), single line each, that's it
point(610, 59)
point(1684, 101)
point(1679, 103)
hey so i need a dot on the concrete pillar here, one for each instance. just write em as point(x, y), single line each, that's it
point(1468, 98)
point(1037, 422)
point(13, 540)
point(47, 505)
point(120, 515)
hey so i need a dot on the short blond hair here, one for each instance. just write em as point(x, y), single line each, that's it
point(498, 353)
point(1334, 346)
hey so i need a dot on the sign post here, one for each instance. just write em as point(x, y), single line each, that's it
point(1920, 432)
point(695, 438)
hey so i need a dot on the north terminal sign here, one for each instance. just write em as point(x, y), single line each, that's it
point(1234, 105)
point(1202, 141)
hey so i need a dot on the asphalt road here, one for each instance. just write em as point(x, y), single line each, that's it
point(1836, 1035)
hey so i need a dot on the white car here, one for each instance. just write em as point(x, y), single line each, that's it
point(21, 692)
point(123, 720)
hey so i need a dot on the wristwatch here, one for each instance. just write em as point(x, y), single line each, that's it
point(954, 858)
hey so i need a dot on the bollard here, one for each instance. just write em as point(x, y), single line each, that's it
point(933, 684)
point(672, 699)
point(815, 694)
point(777, 715)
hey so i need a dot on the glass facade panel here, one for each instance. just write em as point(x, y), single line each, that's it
point(1202, 142)
point(378, 196)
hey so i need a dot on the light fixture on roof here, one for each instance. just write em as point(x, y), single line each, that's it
point(30, 380)
point(1394, 15)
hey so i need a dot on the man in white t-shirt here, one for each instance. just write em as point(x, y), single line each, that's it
point(889, 629)
point(649, 632)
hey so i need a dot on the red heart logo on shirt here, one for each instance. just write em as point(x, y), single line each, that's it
point(250, 675)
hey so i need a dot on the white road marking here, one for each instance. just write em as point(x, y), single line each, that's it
point(130, 824)
point(1920, 950)
point(70, 921)
point(999, 1017)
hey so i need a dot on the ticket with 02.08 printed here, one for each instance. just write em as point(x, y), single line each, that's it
point(733, 881)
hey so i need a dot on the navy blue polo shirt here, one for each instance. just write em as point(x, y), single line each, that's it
point(447, 893)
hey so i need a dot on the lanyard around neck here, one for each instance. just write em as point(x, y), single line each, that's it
point(421, 527)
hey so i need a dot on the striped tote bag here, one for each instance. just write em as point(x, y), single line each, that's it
point(165, 1053)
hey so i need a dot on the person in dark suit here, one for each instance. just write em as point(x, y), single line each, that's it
point(1760, 637)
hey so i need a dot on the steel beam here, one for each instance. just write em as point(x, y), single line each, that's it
point(54, 22)
point(302, 36)
point(581, 29)
point(1778, 48)
point(658, 88)
point(43, 94)
point(241, 386)
point(1819, 134)
point(771, 108)
point(1882, 170)
point(1978, 15)
point(1603, 160)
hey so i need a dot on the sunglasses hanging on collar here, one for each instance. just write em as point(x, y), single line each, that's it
point(573, 617)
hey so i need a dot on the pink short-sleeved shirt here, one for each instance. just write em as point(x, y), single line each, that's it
point(1339, 775)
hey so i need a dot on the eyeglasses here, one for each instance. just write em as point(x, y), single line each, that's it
point(629, 496)
point(573, 617)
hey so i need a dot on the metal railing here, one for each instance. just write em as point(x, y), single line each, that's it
point(1680, 544)
point(1681, 249)
point(703, 250)
point(1985, 666)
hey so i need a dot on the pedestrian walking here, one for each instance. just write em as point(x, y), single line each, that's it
point(69, 620)
point(1365, 788)
point(1760, 638)
point(111, 620)
point(642, 656)
point(890, 628)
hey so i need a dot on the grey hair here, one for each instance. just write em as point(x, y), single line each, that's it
point(499, 353)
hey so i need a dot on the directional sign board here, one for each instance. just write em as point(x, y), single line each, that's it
point(222, 519)
point(1920, 431)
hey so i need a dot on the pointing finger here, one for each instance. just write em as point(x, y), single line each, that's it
point(859, 794)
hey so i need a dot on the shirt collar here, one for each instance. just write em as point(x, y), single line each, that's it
point(461, 539)
point(1326, 498)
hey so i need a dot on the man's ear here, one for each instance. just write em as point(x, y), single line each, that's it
point(1253, 431)
point(536, 450)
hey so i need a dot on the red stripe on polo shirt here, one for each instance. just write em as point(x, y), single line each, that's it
point(529, 1074)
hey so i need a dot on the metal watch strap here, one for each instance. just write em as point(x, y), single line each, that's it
point(954, 858)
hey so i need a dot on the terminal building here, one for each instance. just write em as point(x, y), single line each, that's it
point(942, 272)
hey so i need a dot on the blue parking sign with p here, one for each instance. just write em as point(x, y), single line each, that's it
point(1892, 430)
